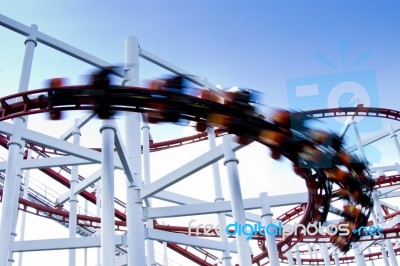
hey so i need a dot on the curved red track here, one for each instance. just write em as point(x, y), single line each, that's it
point(33, 102)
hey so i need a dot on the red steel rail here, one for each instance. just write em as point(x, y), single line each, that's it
point(33, 102)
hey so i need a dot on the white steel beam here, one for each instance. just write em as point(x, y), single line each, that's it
point(15, 145)
point(231, 162)
point(63, 243)
point(394, 194)
point(383, 191)
point(49, 162)
point(176, 198)
point(224, 206)
point(134, 205)
point(107, 193)
point(186, 240)
point(125, 161)
point(366, 244)
point(81, 186)
point(387, 168)
point(390, 206)
point(184, 171)
point(174, 69)
point(43, 140)
point(372, 139)
point(276, 201)
point(55, 44)
point(79, 124)
point(185, 200)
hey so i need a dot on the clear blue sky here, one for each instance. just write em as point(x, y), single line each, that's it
point(257, 44)
point(263, 45)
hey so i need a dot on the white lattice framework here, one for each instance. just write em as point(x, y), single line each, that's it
point(124, 153)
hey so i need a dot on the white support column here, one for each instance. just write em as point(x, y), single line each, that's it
point(393, 136)
point(289, 256)
point(165, 250)
point(85, 251)
point(335, 257)
point(107, 194)
point(23, 214)
point(310, 251)
point(134, 209)
point(371, 262)
point(98, 213)
point(165, 257)
point(15, 212)
point(392, 254)
point(359, 142)
point(236, 199)
point(381, 219)
point(14, 146)
point(226, 256)
point(73, 199)
point(315, 250)
point(147, 180)
point(298, 258)
point(325, 254)
point(270, 242)
point(384, 255)
point(359, 256)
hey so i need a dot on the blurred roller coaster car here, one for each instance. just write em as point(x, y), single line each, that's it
point(205, 94)
point(101, 84)
point(174, 85)
point(55, 84)
point(241, 99)
point(97, 94)
point(169, 89)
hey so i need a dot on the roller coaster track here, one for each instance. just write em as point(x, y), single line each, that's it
point(92, 222)
point(190, 108)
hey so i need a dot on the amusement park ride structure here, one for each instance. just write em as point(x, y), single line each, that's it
point(128, 236)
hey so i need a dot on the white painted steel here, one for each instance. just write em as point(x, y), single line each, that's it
point(393, 136)
point(107, 193)
point(266, 216)
point(81, 186)
point(49, 162)
point(335, 257)
point(360, 146)
point(14, 154)
point(359, 256)
point(384, 255)
point(147, 180)
point(23, 214)
point(14, 217)
point(134, 208)
point(381, 219)
point(325, 254)
point(236, 196)
point(219, 197)
point(186, 170)
point(184, 239)
point(128, 159)
point(298, 258)
point(64, 243)
point(289, 256)
point(73, 200)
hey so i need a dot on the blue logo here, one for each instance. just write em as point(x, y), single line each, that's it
point(368, 231)
point(346, 89)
